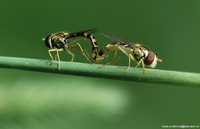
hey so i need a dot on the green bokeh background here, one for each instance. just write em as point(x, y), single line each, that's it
point(34, 100)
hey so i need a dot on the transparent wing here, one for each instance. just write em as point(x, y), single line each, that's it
point(116, 38)
point(89, 31)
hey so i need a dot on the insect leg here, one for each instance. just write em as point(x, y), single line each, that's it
point(129, 64)
point(58, 59)
point(111, 60)
point(69, 52)
point(138, 63)
point(58, 51)
point(141, 61)
point(81, 51)
point(51, 55)
point(56, 55)
point(117, 59)
point(143, 67)
point(86, 53)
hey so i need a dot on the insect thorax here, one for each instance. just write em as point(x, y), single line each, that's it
point(140, 53)
point(59, 41)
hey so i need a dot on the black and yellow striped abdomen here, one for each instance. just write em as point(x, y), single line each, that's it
point(91, 38)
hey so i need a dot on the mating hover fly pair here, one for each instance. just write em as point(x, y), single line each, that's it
point(140, 54)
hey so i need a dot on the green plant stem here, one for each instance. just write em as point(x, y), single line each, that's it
point(109, 72)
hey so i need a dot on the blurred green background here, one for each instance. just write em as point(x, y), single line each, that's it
point(34, 100)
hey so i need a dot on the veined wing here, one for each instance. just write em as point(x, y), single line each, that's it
point(89, 31)
point(115, 38)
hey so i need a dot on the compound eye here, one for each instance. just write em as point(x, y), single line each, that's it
point(48, 42)
point(150, 58)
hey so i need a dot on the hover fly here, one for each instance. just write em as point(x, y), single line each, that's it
point(60, 42)
point(137, 52)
